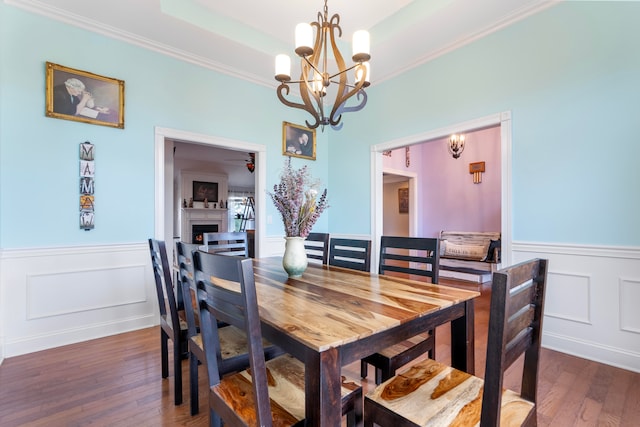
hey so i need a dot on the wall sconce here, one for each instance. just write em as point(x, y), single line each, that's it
point(476, 169)
point(456, 145)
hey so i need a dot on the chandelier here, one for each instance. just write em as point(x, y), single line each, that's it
point(317, 82)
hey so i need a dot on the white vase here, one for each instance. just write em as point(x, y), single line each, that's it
point(294, 260)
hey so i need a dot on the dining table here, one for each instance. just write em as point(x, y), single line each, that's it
point(331, 316)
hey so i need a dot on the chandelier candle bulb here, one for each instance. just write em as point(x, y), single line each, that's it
point(283, 67)
point(361, 46)
point(304, 39)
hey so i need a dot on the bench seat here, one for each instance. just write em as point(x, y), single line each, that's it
point(469, 255)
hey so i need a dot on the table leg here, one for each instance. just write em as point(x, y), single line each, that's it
point(323, 389)
point(463, 340)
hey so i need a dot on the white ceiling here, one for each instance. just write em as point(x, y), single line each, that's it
point(242, 37)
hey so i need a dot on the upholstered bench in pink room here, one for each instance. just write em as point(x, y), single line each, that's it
point(469, 255)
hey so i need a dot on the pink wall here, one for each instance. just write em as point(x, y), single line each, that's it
point(449, 200)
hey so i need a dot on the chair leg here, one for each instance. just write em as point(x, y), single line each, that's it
point(363, 369)
point(177, 373)
point(379, 375)
point(432, 352)
point(164, 351)
point(193, 383)
point(214, 419)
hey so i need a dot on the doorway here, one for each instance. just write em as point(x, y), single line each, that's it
point(503, 120)
point(164, 199)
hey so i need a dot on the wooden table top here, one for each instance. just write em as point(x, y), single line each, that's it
point(329, 307)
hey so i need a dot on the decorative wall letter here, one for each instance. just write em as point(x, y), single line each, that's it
point(87, 185)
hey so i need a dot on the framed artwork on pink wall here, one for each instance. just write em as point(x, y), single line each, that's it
point(403, 200)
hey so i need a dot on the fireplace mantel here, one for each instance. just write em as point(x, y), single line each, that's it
point(202, 216)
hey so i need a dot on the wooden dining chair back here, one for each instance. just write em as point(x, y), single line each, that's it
point(270, 392)
point(316, 246)
point(172, 327)
point(233, 243)
point(350, 253)
point(194, 340)
point(418, 256)
point(409, 256)
point(233, 355)
point(515, 326)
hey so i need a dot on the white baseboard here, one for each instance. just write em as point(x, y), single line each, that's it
point(30, 344)
point(592, 351)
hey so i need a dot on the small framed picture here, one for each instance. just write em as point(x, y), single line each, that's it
point(298, 141)
point(84, 97)
point(403, 200)
point(205, 190)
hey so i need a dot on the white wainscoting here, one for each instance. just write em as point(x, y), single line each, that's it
point(53, 297)
point(58, 296)
point(591, 307)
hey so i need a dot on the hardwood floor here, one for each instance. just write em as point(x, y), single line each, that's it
point(116, 381)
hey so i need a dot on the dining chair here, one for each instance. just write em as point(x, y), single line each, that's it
point(234, 243)
point(350, 253)
point(413, 256)
point(172, 327)
point(317, 247)
point(270, 392)
point(233, 354)
point(434, 394)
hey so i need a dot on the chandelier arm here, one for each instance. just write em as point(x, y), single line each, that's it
point(307, 91)
point(360, 94)
point(344, 71)
point(306, 106)
point(311, 64)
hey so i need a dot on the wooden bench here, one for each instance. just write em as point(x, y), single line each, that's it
point(465, 254)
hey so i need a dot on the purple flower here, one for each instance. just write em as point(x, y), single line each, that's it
point(295, 197)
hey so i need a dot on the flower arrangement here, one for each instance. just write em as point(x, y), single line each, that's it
point(295, 197)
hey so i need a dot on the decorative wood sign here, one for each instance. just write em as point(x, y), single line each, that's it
point(476, 169)
point(87, 185)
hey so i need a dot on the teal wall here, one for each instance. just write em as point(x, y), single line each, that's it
point(39, 169)
point(570, 76)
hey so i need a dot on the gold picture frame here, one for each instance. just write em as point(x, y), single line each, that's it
point(85, 97)
point(298, 141)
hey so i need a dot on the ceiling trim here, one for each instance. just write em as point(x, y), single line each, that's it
point(131, 38)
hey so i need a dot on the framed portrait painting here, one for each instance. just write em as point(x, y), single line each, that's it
point(84, 97)
point(298, 141)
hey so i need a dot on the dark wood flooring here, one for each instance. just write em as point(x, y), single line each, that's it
point(116, 381)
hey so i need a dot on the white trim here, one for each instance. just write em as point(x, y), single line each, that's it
point(592, 350)
point(97, 27)
point(163, 135)
point(600, 251)
point(502, 119)
point(413, 190)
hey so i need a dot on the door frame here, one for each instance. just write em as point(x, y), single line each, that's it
point(502, 119)
point(414, 191)
point(164, 203)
